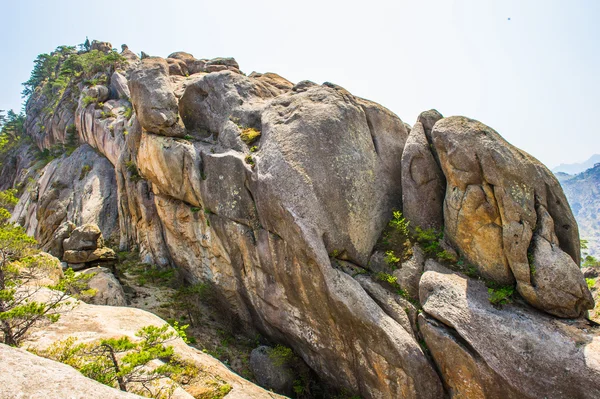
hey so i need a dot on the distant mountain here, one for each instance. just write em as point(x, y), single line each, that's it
point(575, 168)
point(583, 192)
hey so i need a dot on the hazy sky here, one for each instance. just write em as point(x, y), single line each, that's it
point(529, 69)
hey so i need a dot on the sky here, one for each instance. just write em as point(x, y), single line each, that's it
point(530, 69)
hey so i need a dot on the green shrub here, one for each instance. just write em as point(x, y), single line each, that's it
point(249, 135)
point(254, 148)
point(87, 100)
point(84, 171)
point(249, 160)
point(591, 283)
point(500, 295)
point(281, 355)
point(391, 258)
point(128, 112)
point(399, 223)
point(134, 174)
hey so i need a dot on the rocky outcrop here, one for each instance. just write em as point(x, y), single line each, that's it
point(25, 375)
point(79, 188)
point(153, 99)
point(107, 289)
point(512, 352)
point(423, 183)
point(501, 201)
point(260, 187)
point(88, 323)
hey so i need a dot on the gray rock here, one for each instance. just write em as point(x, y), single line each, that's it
point(153, 99)
point(25, 375)
point(271, 372)
point(86, 237)
point(410, 271)
point(118, 83)
point(423, 183)
point(428, 119)
point(513, 350)
point(108, 289)
point(55, 245)
point(590, 272)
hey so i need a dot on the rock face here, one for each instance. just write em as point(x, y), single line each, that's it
point(269, 373)
point(89, 323)
point(513, 202)
point(84, 247)
point(423, 184)
point(25, 375)
point(261, 187)
point(513, 352)
point(108, 289)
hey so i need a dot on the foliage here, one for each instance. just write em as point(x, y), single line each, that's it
point(399, 223)
point(134, 174)
point(125, 364)
point(500, 295)
point(590, 261)
point(12, 131)
point(84, 171)
point(249, 160)
point(391, 258)
point(591, 283)
point(281, 355)
point(87, 100)
point(128, 113)
point(53, 73)
point(180, 330)
point(249, 135)
point(254, 148)
point(189, 299)
point(388, 278)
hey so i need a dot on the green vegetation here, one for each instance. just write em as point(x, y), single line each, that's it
point(128, 113)
point(249, 160)
point(591, 283)
point(590, 261)
point(20, 267)
point(87, 100)
point(126, 364)
point(12, 132)
point(188, 299)
point(391, 259)
point(500, 295)
point(249, 135)
point(53, 73)
point(281, 355)
point(254, 148)
point(134, 174)
point(84, 171)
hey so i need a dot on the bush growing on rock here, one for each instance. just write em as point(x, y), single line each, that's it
point(23, 304)
point(126, 364)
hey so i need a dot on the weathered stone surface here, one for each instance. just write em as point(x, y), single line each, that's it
point(464, 373)
point(513, 349)
point(271, 374)
point(177, 67)
point(104, 47)
point(25, 375)
point(108, 289)
point(423, 183)
point(428, 119)
point(498, 191)
point(398, 308)
point(55, 245)
point(273, 79)
point(88, 323)
point(84, 256)
point(118, 84)
point(68, 191)
point(153, 99)
point(409, 273)
point(88, 236)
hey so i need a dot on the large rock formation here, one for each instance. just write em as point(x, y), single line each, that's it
point(268, 190)
point(513, 352)
point(25, 375)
